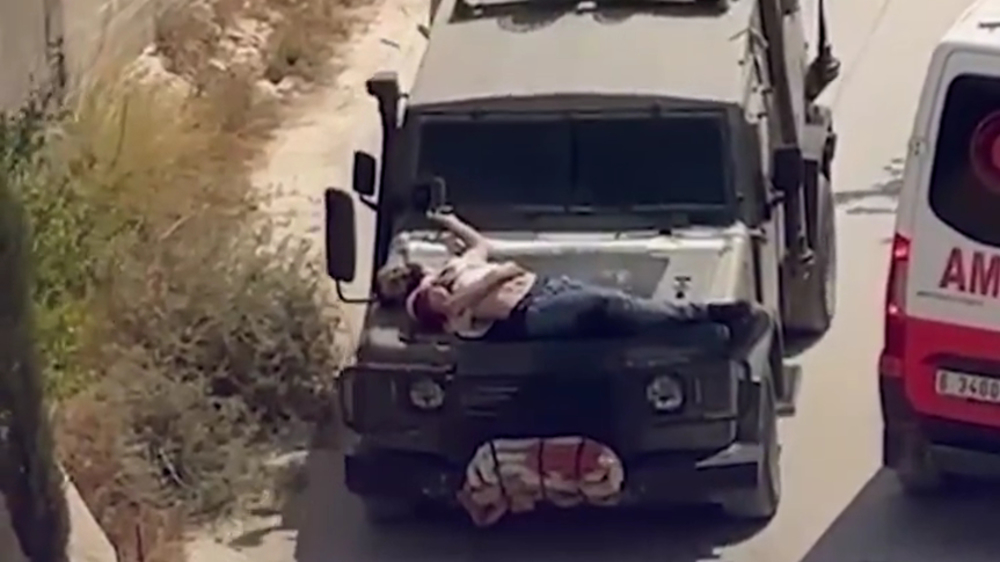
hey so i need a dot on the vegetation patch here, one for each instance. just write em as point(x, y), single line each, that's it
point(29, 478)
point(181, 343)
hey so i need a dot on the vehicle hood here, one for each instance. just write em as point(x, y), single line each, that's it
point(689, 265)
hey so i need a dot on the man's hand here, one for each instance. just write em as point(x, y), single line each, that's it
point(474, 242)
point(443, 218)
point(509, 270)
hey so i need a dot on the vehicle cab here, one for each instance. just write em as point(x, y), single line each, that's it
point(939, 371)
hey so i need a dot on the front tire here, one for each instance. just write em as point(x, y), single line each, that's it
point(826, 297)
point(760, 503)
point(813, 314)
point(915, 469)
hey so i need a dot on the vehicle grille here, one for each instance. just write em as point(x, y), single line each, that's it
point(537, 403)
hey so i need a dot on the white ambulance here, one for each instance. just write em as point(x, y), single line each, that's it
point(939, 371)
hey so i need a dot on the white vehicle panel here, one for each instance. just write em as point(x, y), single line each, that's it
point(952, 277)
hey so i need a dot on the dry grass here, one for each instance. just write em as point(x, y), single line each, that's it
point(291, 38)
point(184, 341)
point(209, 348)
point(304, 41)
point(203, 349)
point(89, 446)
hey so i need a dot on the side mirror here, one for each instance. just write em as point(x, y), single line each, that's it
point(364, 174)
point(341, 243)
point(787, 169)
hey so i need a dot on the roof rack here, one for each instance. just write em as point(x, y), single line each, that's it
point(474, 9)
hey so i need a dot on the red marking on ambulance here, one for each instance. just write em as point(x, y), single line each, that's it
point(974, 272)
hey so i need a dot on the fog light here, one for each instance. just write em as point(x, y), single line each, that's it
point(665, 394)
point(426, 394)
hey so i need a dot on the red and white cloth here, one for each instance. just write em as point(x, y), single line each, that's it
point(513, 475)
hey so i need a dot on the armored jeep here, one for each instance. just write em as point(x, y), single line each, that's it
point(674, 151)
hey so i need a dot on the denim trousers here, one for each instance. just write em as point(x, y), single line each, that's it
point(566, 307)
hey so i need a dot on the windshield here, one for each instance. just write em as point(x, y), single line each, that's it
point(635, 161)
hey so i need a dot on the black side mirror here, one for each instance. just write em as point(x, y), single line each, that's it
point(341, 243)
point(787, 169)
point(364, 174)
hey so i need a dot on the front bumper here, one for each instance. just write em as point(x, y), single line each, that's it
point(608, 407)
point(954, 447)
point(594, 389)
point(649, 480)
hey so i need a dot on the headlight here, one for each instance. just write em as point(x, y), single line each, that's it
point(426, 394)
point(665, 394)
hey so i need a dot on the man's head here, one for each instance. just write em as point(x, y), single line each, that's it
point(412, 286)
point(395, 283)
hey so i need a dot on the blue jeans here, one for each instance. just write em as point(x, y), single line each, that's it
point(565, 307)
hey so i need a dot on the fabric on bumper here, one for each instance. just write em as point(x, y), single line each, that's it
point(514, 475)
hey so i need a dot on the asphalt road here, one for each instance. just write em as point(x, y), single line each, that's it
point(837, 505)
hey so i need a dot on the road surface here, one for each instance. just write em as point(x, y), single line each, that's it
point(837, 505)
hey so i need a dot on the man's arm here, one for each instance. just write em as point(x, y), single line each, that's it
point(475, 244)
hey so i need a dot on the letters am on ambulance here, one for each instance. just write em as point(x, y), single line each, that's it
point(972, 272)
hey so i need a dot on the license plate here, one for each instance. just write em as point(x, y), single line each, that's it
point(970, 387)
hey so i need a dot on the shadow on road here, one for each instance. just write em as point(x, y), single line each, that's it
point(331, 529)
point(879, 525)
point(554, 538)
point(882, 525)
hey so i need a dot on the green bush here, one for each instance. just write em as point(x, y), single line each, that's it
point(29, 478)
point(64, 242)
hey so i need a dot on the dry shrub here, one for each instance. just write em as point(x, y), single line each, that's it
point(188, 36)
point(307, 36)
point(90, 446)
point(222, 67)
point(254, 39)
point(209, 340)
point(150, 156)
point(186, 342)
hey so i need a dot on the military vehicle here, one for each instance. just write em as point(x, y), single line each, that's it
point(673, 150)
